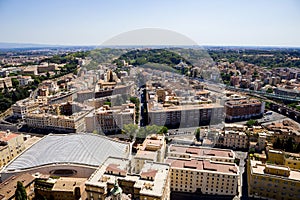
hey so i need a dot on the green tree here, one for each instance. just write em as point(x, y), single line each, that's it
point(164, 130)
point(277, 144)
point(289, 145)
point(197, 134)
point(251, 123)
point(269, 90)
point(130, 129)
point(20, 193)
point(15, 82)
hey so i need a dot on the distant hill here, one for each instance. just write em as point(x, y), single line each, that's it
point(160, 56)
point(5, 45)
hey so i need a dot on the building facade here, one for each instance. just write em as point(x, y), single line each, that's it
point(203, 176)
point(244, 109)
point(185, 116)
point(11, 144)
point(151, 183)
point(272, 181)
point(110, 119)
point(153, 149)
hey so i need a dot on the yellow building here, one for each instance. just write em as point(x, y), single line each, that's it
point(276, 157)
point(272, 181)
point(11, 144)
point(291, 160)
point(204, 176)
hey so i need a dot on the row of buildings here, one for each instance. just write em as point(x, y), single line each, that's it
point(277, 178)
point(146, 175)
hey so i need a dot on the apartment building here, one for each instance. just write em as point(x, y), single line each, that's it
point(11, 144)
point(45, 67)
point(153, 149)
point(22, 107)
point(24, 80)
point(110, 119)
point(291, 160)
point(151, 183)
point(233, 139)
point(203, 176)
point(288, 90)
point(66, 117)
point(213, 154)
point(184, 115)
point(272, 181)
point(30, 70)
point(243, 109)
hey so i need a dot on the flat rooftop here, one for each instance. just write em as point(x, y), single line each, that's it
point(157, 107)
point(258, 168)
point(203, 165)
point(201, 152)
point(151, 180)
point(8, 187)
point(68, 184)
point(244, 102)
point(83, 149)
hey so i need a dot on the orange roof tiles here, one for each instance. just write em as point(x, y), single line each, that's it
point(203, 165)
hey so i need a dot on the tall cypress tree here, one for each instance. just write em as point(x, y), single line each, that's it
point(20, 193)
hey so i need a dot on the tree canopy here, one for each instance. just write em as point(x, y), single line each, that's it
point(160, 56)
point(20, 193)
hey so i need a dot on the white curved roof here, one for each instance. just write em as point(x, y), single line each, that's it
point(86, 149)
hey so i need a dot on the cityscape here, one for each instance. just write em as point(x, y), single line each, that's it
point(149, 113)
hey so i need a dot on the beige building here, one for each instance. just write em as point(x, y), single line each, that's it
point(56, 122)
point(69, 117)
point(152, 183)
point(213, 154)
point(184, 115)
point(8, 188)
point(22, 107)
point(233, 139)
point(11, 144)
point(63, 188)
point(5, 82)
point(153, 149)
point(24, 80)
point(272, 181)
point(204, 176)
point(110, 119)
point(30, 70)
point(45, 67)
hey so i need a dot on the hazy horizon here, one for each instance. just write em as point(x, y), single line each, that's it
point(207, 23)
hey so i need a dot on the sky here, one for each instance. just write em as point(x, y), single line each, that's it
point(93, 22)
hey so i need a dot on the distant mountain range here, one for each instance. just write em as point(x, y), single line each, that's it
point(5, 45)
